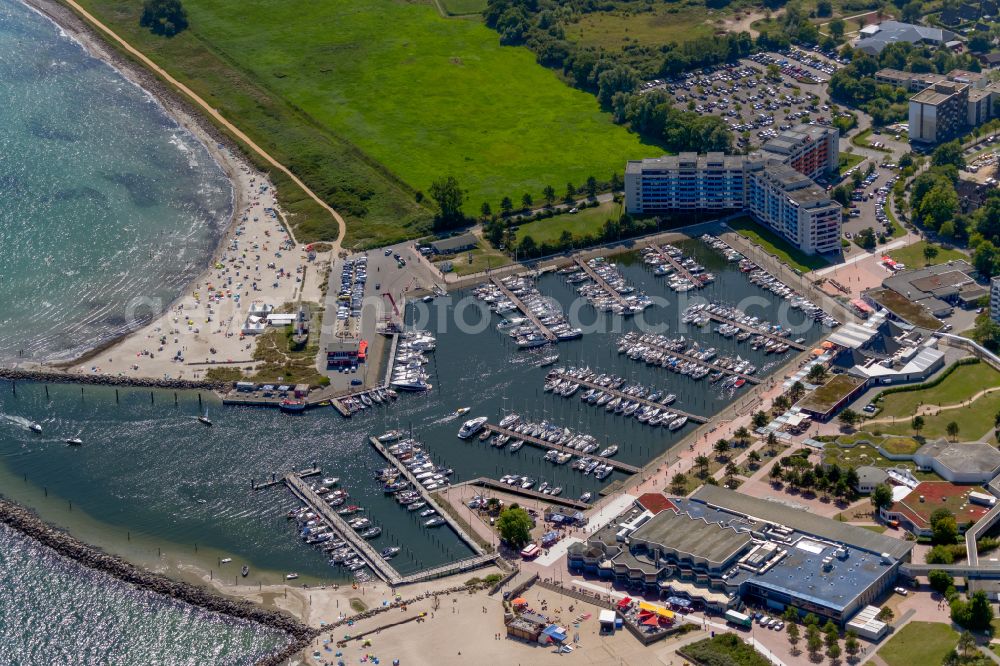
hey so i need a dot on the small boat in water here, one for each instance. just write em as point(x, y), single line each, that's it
point(291, 576)
point(34, 427)
point(371, 532)
point(75, 441)
point(390, 552)
point(548, 360)
point(293, 405)
point(462, 410)
point(436, 521)
point(245, 571)
point(225, 560)
point(586, 497)
point(471, 427)
point(204, 419)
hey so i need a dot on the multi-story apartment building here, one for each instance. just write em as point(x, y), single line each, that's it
point(995, 299)
point(939, 113)
point(774, 186)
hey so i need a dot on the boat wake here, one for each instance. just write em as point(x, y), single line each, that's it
point(19, 421)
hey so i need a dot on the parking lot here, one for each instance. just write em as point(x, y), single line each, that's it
point(868, 202)
point(756, 107)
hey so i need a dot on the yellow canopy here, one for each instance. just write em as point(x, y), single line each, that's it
point(659, 610)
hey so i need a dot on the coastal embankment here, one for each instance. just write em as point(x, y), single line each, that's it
point(26, 522)
point(57, 377)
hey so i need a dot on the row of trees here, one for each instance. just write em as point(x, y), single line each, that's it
point(817, 638)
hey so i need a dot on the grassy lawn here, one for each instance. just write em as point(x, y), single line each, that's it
point(847, 160)
point(963, 382)
point(878, 529)
point(829, 394)
point(900, 445)
point(919, 643)
point(615, 30)
point(462, 7)
point(371, 101)
point(897, 228)
point(973, 421)
point(864, 454)
point(479, 259)
point(723, 649)
point(588, 222)
point(913, 255)
point(777, 246)
point(862, 140)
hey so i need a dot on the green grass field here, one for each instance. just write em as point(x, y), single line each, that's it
point(463, 7)
point(847, 160)
point(973, 421)
point(588, 221)
point(371, 101)
point(479, 259)
point(964, 382)
point(919, 643)
point(913, 255)
point(617, 29)
point(777, 246)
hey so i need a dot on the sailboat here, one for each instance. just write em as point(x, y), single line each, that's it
point(204, 418)
point(75, 441)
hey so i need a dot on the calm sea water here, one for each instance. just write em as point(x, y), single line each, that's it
point(105, 199)
point(55, 611)
point(149, 468)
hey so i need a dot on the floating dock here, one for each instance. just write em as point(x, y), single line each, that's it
point(542, 444)
point(487, 482)
point(531, 316)
point(276, 480)
point(624, 396)
point(329, 515)
point(708, 364)
point(770, 336)
point(677, 266)
point(601, 282)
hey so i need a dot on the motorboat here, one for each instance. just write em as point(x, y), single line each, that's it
point(288, 405)
point(416, 505)
point(436, 521)
point(34, 427)
point(225, 560)
point(586, 497)
point(610, 451)
point(471, 427)
point(371, 532)
point(390, 552)
point(462, 410)
point(245, 571)
point(291, 576)
point(75, 441)
point(204, 419)
point(427, 513)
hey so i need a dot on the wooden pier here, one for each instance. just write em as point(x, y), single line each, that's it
point(708, 364)
point(275, 480)
point(532, 317)
point(425, 495)
point(625, 396)
point(770, 336)
point(542, 444)
point(601, 282)
point(677, 266)
point(487, 482)
point(450, 569)
point(329, 515)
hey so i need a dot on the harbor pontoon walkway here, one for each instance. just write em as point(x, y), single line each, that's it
point(541, 443)
point(769, 336)
point(601, 282)
point(452, 568)
point(486, 482)
point(378, 564)
point(624, 396)
point(275, 480)
point(426, 495)
point(707, 364)
point(519, 304)
point(676, 265)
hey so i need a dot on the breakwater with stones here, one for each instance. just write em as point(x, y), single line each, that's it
point(55, 377)
point(27, 523)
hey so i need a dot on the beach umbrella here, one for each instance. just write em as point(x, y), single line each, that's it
point(520, 601)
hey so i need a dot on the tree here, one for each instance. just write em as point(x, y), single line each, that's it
point(952, 429)
point(485, 211)
point(570, 193)
point(824, 8)
point(979, 41)
point(917, 423)
point(851, 645)
point(793, 634)
point(506, 206)
point(732, 470)
point(163, 17)
point(526, 201)
point(976, 614)
point(759, 419)
point(836, 28)
point(966, 644)
point(938, 205)
point(796, 391)
point(881, 496)
point(753, 458)
point(813, 642)
point(944, 528)
point(849, 417)
point(775, 473)
point(791, 615)
point(950, 153)
point(772, 443)
point(817, 373)
point(940, 580)
point(885, 615)
point(591, 187)
point(550, 194)
point(678, 484)
point(930, 251)
point(514, 526)
point(742, 435)
point(449, 198)
point(702, 462)
point(833, 651)
point(781, 403)
point(721, 448)
point(913, 11)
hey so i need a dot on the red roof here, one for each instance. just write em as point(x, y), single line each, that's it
point(655, 502)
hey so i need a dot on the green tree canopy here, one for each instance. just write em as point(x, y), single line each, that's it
point(163, 17)
point(449, 198)
point(514, 526)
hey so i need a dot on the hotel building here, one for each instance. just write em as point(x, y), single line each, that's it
point(773, 185)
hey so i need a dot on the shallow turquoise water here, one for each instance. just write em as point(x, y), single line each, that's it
point(108, 206)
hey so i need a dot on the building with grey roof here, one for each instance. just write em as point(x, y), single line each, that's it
point(869, 477)
point(454, 244)
point(938, 288)
point(939, 113)
point(874, 38)
point(719, 546)
point(774, 185)
point(965, 462)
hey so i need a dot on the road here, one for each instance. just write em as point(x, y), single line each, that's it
point(214, 114)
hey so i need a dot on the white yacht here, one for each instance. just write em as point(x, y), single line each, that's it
point(471, 427)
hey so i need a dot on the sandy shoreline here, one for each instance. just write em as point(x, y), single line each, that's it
point(140, 353)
